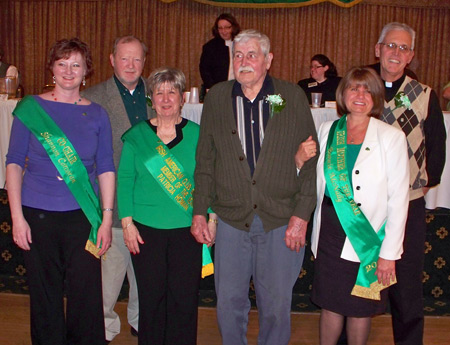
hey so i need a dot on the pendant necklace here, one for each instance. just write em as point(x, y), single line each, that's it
point(56, 99)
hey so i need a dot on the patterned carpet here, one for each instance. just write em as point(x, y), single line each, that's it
point(436, 275)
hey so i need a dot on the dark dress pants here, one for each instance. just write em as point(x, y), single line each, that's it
point(406, 297)
point(168, 271)
point(58, 262)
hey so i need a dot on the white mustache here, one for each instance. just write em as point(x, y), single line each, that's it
point(246, 69)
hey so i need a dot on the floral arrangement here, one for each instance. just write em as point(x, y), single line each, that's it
point(276, 102)
point(402, 100)
point(149, 100)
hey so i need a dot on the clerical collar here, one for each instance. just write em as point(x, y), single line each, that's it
point(391, 91)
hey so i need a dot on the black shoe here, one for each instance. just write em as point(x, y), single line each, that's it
point(133, 332)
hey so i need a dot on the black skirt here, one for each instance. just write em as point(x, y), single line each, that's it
point(335, 277)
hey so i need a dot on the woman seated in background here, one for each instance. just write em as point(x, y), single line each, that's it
point(155, 185)
point(53, 201)
point(362, 204)
point(323, 79)
point(216, 60)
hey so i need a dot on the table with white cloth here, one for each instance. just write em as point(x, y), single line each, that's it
point(439, 196)
point(6, 119)
point(193, 112)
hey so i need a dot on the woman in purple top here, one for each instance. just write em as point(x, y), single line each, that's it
point(48, 223)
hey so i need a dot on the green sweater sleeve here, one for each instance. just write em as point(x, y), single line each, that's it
point(125, 185)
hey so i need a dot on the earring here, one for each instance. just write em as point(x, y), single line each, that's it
point(54, 80)
point(84, 81)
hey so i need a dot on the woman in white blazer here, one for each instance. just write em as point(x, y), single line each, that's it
point(366, 197)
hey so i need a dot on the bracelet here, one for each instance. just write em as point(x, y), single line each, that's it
point(126, 227)
point(212, 220)
point(108, 209)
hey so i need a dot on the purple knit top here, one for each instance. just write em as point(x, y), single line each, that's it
point(88, 129)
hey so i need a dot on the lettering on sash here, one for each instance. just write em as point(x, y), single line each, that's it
point(62, 162)
point(340, 158)
point(371, 266)
point(340, 138)
point(166, 183)
point(66, 150)
point(174, 181)
point(161, 150)
point(50, 143)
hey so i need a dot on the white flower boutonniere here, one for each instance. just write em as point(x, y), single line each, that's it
point(402, 100)
point(276, 102)
point(149, 100)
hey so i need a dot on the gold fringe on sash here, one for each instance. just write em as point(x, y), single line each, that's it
point(92, 248)
point(207, 270)
point(372, 292)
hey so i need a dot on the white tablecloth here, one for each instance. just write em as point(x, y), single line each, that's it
point(439, 196)
point(193, 112)
point(321, 115)
point(6, 118)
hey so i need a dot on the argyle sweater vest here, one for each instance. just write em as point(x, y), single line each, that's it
point(411, 122)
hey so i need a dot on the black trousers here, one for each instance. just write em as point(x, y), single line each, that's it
point(168, 271)
point(58, 262)
point(406, 297)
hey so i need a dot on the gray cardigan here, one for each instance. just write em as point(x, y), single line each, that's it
point(108, 96)
point(222, 176)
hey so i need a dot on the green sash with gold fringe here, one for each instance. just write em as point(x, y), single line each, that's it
point(66, 160)
point(362, 236)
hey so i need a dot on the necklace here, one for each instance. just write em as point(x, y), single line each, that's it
point(352, 139)
point(357, 136)
point(56, 99)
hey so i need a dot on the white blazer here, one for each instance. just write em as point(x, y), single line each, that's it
point(380, 186)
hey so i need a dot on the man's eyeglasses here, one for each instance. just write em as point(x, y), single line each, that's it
point(315, 67)
point(393, 46)
point(221, 28)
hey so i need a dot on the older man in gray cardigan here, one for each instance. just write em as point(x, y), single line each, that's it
point(246, 173)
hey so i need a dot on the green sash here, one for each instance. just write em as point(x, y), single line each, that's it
point(66, 160)
point(364, 239)
point(169, 174)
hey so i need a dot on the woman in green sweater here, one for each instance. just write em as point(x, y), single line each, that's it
point(155, 188)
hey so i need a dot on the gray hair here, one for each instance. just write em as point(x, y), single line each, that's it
point(128, 39)
point(397, 26)
point(164, 75)
point(246, 35)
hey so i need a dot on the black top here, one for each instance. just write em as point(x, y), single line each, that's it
point(327, 88)
point(214, 62)
point(3, 68)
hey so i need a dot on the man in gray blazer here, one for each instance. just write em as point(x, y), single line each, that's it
point(123, 97)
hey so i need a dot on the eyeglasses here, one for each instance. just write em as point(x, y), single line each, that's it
point(393, 46)
point(315, 67)
point(220, 28)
